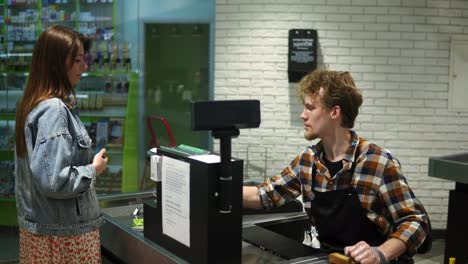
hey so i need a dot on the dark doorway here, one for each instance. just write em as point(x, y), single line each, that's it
point(176, 73)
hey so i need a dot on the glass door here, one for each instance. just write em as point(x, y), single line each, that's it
point(176, 73)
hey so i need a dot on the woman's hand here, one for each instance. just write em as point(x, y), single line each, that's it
point(362, 253)
point(100, 161)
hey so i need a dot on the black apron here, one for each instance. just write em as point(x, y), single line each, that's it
point(340, 220)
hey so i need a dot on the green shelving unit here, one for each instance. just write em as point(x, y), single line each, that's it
point(130, 162)
point(22, 23)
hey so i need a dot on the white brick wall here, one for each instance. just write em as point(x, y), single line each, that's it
point(398, 53)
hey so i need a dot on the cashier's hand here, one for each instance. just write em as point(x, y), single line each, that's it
point(362, 253)
point(100, 161)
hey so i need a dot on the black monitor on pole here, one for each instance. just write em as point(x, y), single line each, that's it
point(215, 193)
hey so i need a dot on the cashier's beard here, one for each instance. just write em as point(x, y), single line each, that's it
point(309, 134)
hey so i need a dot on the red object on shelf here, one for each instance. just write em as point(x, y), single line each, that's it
point(154, 140)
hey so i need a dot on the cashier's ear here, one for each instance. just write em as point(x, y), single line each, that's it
point(335, 112)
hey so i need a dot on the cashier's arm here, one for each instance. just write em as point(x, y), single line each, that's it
point(391, 249)
point(251, 197)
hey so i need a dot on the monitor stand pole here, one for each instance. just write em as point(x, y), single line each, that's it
point(225, 179)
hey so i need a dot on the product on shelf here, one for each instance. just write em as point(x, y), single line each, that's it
point(102, 93)
point(110, 181)
point(7, 178)
point(116, 133)
point(102, 134)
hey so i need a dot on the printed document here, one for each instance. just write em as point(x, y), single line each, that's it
point(176, 199)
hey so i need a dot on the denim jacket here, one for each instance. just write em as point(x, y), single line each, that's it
point(55, 192)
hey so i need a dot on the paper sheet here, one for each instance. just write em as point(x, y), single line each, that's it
point(155, 168)
point(176, 199)
point(208, 158)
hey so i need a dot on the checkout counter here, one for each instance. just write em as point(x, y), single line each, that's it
point(266, 238)
point(454, 168)
point(195, 214)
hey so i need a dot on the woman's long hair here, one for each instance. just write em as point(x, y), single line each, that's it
point(48, 75)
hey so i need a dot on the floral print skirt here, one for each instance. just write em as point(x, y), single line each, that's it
point(83, 248)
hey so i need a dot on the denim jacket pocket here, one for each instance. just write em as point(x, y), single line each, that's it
point(87, 206)
point(83, 153)
point(84, 141)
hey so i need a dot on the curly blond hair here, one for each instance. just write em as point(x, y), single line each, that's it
point(338, 89)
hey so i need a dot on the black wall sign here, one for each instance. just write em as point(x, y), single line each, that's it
point(302, 55)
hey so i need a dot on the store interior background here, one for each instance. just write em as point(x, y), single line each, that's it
point(170, 67)
point(398, 52)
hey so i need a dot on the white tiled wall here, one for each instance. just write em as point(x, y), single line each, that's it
point(398, 52)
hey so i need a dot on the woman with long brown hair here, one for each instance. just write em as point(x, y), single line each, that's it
point(58, 210)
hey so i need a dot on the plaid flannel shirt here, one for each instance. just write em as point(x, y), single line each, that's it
point(382, 189)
